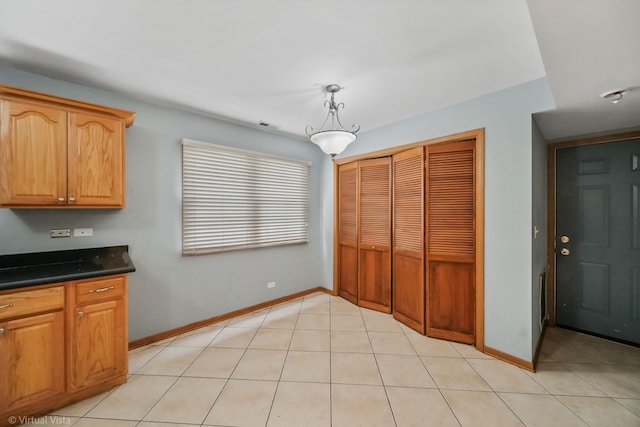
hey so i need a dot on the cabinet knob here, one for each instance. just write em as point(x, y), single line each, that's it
point(1, 331)
point(80, 313)
point(72, 199)
point(61, 199)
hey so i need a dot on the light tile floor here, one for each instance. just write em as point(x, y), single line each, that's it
point(321, 361)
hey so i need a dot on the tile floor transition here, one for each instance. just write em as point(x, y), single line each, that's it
point(321, 361)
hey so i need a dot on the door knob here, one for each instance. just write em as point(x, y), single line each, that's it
point(565, 251)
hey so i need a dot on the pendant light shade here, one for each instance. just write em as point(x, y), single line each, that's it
point(332, 138)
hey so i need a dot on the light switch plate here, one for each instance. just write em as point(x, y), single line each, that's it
point(60, 232)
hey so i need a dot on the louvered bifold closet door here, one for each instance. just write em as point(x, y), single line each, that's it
point(408, 238)
point(374, 232)
point(348, 232)
point(450, 241)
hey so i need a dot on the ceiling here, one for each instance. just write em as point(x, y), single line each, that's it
point(268, 61)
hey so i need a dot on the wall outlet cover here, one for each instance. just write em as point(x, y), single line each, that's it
point(83, 232)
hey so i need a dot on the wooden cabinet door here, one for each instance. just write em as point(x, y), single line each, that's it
point(348, 232)
point(98, 342)
point(33, 154)
point(96, 158)
point(31, 360)
point(408, 239)
point(450, 192)
point(374, 232)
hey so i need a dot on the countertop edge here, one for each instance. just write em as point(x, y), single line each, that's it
point(27, 283)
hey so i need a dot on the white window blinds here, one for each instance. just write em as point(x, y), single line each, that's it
point(238, 199)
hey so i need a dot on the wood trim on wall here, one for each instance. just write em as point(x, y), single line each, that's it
point(551, 210)
point(479, 252)
point(478, 136)
point(206, 322)
point(509, 358)
point(336, 251)
point(461, 136)
point(9, 92)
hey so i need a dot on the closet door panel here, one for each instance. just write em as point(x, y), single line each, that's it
point(451, 300)
point(348, 232)
point(450, 191)
point(374, 232)
point(408, 239)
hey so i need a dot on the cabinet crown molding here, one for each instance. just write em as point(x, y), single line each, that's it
point(66, 103)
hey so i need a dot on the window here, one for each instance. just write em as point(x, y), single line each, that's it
point(238, 199)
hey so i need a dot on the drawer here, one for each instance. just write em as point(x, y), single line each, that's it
point(101, 289)
point(23, 303)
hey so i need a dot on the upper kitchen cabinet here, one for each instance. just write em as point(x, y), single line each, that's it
point(60, 153)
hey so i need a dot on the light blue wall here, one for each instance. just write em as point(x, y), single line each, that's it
point(539, 219)
point(169, 290)
point(506, 117)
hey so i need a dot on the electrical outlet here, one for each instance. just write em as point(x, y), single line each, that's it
point(82, 232)
point(60, 232)
point(271, 285)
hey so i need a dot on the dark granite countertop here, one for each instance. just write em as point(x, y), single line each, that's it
point(39, 268)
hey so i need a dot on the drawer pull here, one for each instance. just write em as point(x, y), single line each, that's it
point(6, 306)
point(97, 291)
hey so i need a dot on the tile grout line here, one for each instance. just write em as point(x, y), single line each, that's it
point(393, 415)
point(275, 393)
point(232, 371)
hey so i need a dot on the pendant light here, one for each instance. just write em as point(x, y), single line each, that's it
point(332, 138)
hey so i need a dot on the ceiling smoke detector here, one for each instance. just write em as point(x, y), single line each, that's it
point(614, 95)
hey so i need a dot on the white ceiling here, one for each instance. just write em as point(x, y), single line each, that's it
point(269, 60)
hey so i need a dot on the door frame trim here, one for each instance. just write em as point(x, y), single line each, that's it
point(478, 136)
point(552, 149)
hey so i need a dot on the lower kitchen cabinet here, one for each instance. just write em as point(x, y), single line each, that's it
point(98, 332)
point(32, 360)
point(61, 343)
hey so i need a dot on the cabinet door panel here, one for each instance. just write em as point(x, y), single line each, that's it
point(99, 350)
point(96, 156)
point(452, 301)
point(408, 238)
point(348, 232)
point(33, 154)
point(31, 360)
point(348, 276)
point(374, 232)
point(451, 241)
point(375, 279)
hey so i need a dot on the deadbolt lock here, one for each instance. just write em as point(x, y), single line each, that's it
point(565, 251)
point(564, 239)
